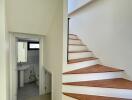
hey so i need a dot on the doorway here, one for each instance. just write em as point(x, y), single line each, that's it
point(27, 68)
point(26, 75)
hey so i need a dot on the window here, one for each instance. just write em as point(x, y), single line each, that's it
point(22, 51)
point(33, 45)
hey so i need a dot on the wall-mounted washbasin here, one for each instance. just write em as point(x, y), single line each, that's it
point(21, 69)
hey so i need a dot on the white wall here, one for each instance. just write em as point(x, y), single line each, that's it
point(48, 82)
point(65, 22)
point(54, 55)
point(30, 16)
point(106, 27)
point(3, 54)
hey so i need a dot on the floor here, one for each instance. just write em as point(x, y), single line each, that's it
point(43, 97)
point(29, 90)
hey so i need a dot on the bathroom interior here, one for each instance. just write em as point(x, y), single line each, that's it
point(28, 69)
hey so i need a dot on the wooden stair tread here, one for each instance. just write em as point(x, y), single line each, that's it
point(91, 97)
point(118, 83)
point(72, 34)
point(81, 60)
point(74, 39)
point(79, 51)
point(93, 69)
point(78, 44)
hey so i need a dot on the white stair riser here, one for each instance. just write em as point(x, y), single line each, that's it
point(80, 55)
point(64, 97)
point(77, 48)
point(98, 91)
point(74, 41)
point(79, 65)
point(92, 76)
point(73, 37)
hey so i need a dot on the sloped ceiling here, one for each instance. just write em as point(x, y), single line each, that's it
point(74, 5)
point(30, 16)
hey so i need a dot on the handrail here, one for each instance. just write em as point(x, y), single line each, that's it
point(68, 25)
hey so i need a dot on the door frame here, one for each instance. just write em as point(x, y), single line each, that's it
point(13, 62)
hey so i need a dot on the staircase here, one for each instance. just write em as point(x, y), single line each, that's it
point(85, 78)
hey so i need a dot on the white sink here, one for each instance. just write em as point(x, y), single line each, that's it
point(21, 69)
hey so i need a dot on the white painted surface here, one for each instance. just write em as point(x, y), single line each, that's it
point(105, 26)
point(54, 51)
point(79, 65)
point(41, 66)
point(74, 41)
point(80, 55)
point(92, 76)
point(13, 68)
point(31, 16)
point(4, 90)
point(22, 78)
point(48, 82)
point(77, 48)
point(21, 70)
point(110, 92)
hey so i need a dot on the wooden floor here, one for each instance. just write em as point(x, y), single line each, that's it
point(93, 69)
point(118, 83)
point(91, 97)
point(43, 97)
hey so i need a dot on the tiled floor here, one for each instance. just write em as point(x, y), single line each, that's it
point(29, 90)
